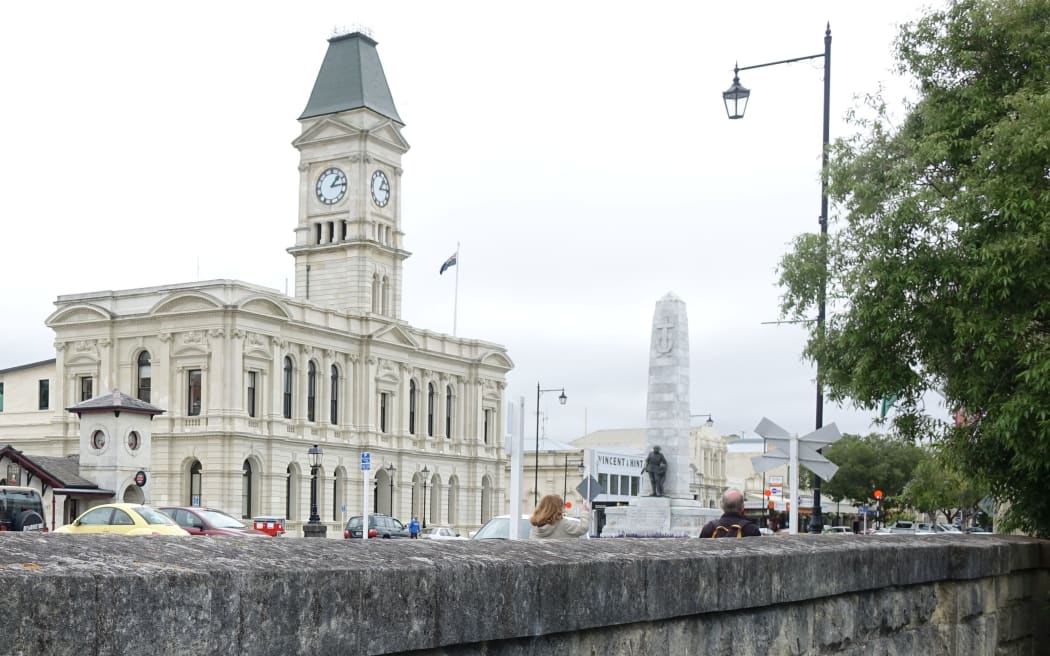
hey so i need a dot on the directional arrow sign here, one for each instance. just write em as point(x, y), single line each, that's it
point(807, 448)
point(796, 451)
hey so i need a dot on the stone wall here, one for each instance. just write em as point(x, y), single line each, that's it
point(932, 595)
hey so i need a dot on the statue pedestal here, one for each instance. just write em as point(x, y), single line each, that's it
point(658, 516)
point(314, 530)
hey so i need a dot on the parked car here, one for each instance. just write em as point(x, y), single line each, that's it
point(21, 509)
point(838, 530)
point(123, 519)
point(210, 522)
point(440, 533)
point(379, 526)
point(498, 528)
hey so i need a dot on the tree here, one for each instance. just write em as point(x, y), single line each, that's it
point(937, 487)
point(936, 268)
point(870, 463)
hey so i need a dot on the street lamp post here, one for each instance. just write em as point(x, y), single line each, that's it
point(390, 469)
point(735, 98)
point(314, 528)
point(562, 399)
point(426, 474)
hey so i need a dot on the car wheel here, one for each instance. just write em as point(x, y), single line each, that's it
point(28, 520)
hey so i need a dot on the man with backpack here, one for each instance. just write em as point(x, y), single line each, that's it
point(732, 523)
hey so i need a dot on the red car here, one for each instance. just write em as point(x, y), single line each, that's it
point(210, 522)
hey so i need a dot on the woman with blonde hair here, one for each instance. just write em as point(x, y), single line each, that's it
point(549, 521)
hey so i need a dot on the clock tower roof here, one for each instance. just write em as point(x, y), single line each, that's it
point(351, 77)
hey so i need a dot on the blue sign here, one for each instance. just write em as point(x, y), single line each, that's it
point(366, 461)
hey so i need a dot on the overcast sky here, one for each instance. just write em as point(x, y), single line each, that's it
point(578, 151)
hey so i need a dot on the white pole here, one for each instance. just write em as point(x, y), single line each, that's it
point(590, 507)
point(364, 508)
point(517, 456)
point(455, 301)
point(793, 467)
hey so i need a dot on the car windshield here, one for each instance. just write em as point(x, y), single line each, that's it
point(220, 519)
point(154, 516)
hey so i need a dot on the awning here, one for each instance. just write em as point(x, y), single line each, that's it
point(83, 492)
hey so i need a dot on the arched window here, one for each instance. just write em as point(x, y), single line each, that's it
point(386, 295)
point(143, 377)
point(195, 483)
point(333, 414)
point(411, 407)
point(287, 386)
point(246, 490)
point(375, 293)
point(430, 409)
point(311, 392)
point(448, 411)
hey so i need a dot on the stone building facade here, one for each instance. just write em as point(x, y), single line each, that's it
point(250, 379)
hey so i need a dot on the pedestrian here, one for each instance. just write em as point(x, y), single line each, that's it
point(732, 523)
point(549, 521)
point(413, 528)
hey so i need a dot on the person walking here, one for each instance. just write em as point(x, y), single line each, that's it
point(549, 521)
point(413, 528)
point(732, 523)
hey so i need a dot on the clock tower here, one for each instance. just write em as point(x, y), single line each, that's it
point(349, 247)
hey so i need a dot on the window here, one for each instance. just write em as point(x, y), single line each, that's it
point(333, 413)
point(144, 377)
point(246, 489)
point(487, 434)
point(250, 400)
point(411, 407)
point(382, 411)
point(1, 397)
point(287, 409)
point(448, 411)
point(311, 392)
point(195, 483)
point(193, 392)
point(86, 388)
point(430, 409)
point(44, 393)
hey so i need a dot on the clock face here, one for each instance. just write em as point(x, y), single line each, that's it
point(380, 189)
point(331, 186)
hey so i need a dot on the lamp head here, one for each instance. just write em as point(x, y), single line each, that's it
point(735, 97)
point(315, 454)
point(562, 398)
point(390, 468)
point(581, 468)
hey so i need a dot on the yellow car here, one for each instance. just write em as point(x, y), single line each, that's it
point(123, 519)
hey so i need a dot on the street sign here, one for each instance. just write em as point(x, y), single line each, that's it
point(807, 448)
point(589, 488)
point(366, 461)
point(776, 491)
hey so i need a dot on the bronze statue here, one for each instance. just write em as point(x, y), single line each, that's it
point(656, 465)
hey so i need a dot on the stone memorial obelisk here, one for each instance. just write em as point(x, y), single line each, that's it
point(667, 404)
point(667, 427)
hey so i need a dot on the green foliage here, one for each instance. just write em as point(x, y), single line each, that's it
point(936, 486)
point(870, 463)
point(938, 275)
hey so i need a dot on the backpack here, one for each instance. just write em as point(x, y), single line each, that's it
point(727, 531)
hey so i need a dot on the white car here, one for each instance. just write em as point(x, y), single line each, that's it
point(838, 530)
point(440, 533)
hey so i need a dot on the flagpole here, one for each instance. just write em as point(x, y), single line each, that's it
point(455, 301)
